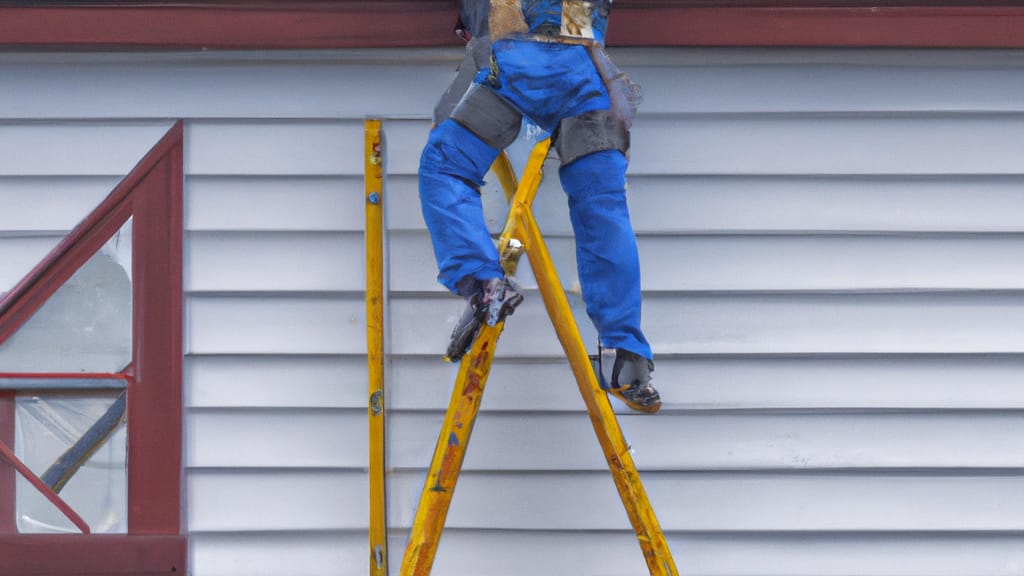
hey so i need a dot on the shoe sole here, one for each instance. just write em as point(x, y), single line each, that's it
point(634, 406)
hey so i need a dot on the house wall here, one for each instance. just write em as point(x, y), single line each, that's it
point(829, 242)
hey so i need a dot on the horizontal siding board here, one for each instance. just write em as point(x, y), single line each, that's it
point(778, 204)
point(697, 87)
point(76, 148)
point(228, 85)
point(411, 263)
point(275, 261)
point(302, 500)
point(276, 500)
point(402, 202)
point(543, 553)
point(728, 441)
point(826, 203)
point(715, 502)
point(274, 203)
point(717, 204)
point(806, 554)
point(754, 323)
point(809, 145)
point(826, 502)
point(856, 144)
point(303, 438)
point(320, 553)
point(811, 262)
point(729, 382)
point(57, 204)
point(278, 437)
point(404, 143)
point(263, 381)
point(826, 323)
point(826, 383)
point(275, 325)
point(274, 148)
point(351, 82)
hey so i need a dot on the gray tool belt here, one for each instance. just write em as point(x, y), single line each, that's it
point(487, 115)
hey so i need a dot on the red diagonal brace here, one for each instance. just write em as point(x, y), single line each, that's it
point(44, 489)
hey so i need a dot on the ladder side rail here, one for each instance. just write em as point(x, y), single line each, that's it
point(374, 240)
point(606, 426)
point(449, 453)
point(602, 417)
point(464, 405)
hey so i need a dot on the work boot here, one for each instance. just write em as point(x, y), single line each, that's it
point(627, 376)
point(496, 299)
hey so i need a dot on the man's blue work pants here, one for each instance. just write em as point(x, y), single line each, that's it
point(454, 163)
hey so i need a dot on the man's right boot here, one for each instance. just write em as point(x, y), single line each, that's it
point(497, 298)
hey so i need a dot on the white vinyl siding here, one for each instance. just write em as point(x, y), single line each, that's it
point(830, 245)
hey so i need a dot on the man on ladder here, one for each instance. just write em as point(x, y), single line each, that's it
point(543, 60)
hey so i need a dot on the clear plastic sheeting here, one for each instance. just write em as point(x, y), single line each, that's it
point(49, 428)
point(86, 325)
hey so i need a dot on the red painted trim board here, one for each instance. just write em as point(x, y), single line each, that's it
point(318, 25)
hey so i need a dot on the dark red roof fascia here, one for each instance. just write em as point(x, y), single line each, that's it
point(270, 24)
point(859, 26)
point(253, 25)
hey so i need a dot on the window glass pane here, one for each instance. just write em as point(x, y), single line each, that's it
point(76, 442)
point(86, 325)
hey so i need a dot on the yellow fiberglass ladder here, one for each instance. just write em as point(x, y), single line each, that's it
point(521, 234)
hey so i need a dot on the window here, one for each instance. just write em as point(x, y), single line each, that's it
point(90, 389)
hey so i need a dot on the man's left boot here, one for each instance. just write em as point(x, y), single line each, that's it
point(627, 376)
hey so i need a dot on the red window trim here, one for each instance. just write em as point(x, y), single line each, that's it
point(280, 24)
point(8, 475)
point(155, 544)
